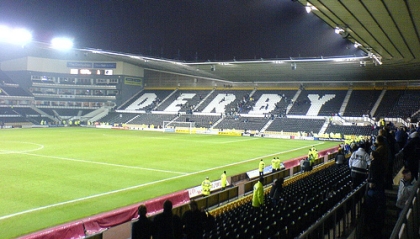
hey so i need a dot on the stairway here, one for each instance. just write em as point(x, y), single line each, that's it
point(392, 211)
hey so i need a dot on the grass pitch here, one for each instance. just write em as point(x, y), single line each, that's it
point(56, 175)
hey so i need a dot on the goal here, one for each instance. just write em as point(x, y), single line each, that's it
point(171, 126)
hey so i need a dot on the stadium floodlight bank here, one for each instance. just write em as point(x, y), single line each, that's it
point(171, 126)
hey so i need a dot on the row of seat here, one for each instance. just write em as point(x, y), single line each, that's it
point(303, 202)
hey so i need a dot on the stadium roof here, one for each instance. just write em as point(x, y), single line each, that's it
point(387, 30)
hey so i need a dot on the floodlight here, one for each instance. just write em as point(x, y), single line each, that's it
point(338, 30)
point(341, 31)
point(278, 62)
point(4, 33)
point(309, 7)
point(20, 36)
point(377, 59)
point(17, 36)
point(61, 43)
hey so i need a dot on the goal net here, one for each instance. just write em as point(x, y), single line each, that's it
point(172, 126)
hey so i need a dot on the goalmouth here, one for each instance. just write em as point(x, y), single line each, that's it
point(172, 126)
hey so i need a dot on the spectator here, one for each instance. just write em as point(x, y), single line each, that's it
point(276, 191)
point(401, 137)
point(306, 165)
point(206, 187)
point(193, 222)
point(359, 163)
point(375, 195)
point(302, 163)
point(410, 154)
point(392, 146)
point(261, 167)
point(405, 188)
point(273, 165)
point(312, 155)
point(143, 228)
point(168, 225)
point(223, 180)
point(272, 191)
point(278, 164)
point(258, 194)
point(340, 159)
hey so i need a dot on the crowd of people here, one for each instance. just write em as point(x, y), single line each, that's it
point(372, 159)
point(167, 225)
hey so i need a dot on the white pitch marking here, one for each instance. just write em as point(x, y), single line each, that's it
point(102, 163)
point(142, 185)
point(40, 146)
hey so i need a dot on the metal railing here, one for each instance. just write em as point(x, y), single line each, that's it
point(340, 220)
point(407, 225)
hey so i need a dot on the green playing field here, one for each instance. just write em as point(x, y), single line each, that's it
point(55, 175)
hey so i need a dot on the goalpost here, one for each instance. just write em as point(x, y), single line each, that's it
point(171, 126)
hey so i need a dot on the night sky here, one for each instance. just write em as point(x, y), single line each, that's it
point(187, 30)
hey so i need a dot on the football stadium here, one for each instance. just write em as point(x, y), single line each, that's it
point(88, 135)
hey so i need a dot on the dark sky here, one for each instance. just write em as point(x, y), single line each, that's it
point(187, 30)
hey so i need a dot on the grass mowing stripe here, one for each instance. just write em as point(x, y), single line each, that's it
point(235, 141)
point(145, 184)
point(102, 163)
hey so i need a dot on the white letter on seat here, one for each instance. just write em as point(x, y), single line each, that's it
point(219, 103)
point(179, 102)
point(317, 103)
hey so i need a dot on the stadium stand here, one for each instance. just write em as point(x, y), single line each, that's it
point(152, 119)
point(118, 118)
point(183, 101)
point(243, 123)
point(318, 102)
point(148, 100)
point(361, 102)
point(349, 130)
point(406, 105)
point(296, 125)
point(303, 202)
point(280, 106)
point(205, 121)
point(387, 103)
point(5, 79)
point(14, 90)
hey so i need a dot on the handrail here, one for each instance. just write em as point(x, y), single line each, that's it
point(402, 219)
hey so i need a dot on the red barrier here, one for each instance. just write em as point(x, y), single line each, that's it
point(156, 205)
point(72, 230)
point(102, 221)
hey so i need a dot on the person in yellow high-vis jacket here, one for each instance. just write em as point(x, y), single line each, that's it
point(223, 180)
point(261, 167)
point(205, 187)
